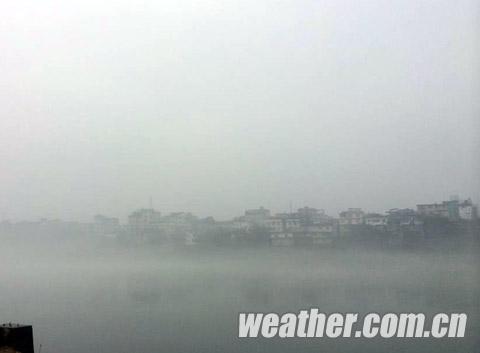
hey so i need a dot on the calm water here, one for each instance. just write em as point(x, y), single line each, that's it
point(103, 298)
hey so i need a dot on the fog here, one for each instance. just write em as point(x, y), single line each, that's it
point(107, 298)
point(216, 106)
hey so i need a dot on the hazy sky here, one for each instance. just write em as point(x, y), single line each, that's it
point(217, 106)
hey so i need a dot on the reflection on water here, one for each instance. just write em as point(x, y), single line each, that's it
point(187, 300)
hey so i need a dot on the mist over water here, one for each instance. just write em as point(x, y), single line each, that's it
point(103, 297)
point(201, 109)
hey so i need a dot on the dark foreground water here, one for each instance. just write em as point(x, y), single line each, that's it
point(106, 299)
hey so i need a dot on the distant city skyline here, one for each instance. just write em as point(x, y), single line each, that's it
point(274, 210)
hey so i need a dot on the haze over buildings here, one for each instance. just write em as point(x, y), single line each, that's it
point(211, 107)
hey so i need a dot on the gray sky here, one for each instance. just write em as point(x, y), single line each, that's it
point(216, 106)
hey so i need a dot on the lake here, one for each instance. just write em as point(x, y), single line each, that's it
point(102, 297)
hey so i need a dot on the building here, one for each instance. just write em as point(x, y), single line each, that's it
point(446, 209)
point(257, 216)
point(103, 225)
point(145, 217)
point(179, 218)
point(240, 224)
point(176, 221)
point(282, 239)
point(402, 217)
point(326, 228)
point(291, 221)
point(353, 216)
point(293, 224)
point(467, 210)
point(310, 215)
point(433, 210)
point(376, 220)
point(144, 222)
point(307, 226)
point(178, 227)
point(274, 224)
point(454, 210)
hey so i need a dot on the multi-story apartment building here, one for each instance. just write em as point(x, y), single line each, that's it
point(257, 216)
point(467, 210)
point(145, 220)
point(105, 225)
point(352, 216)
point(375, 220)
point(433, 209)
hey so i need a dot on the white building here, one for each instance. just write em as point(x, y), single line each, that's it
point(310, 215)
point(274, 224)
point(326, 228)
point(107, 226)
point(433, 209)
point(144, 218)
point(240, 223)
point(467, 211)
point(257, 216)
point(353, 216)
point(282, 239)
point(293, 224)
point(375, 220)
